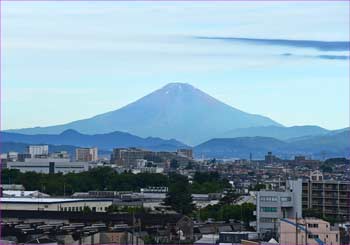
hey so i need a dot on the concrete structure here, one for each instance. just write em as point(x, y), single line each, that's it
point(12, 156)
point(60, 154)
point(128, 157)
point(38, 150)
point(229, 238)
point(86, 154)
point(155, 189)
point(270, 158)
point(14, 193)
point(272, 205)
point(54, 204)
point(12, 187)
point(45, 160)
point(49, 166)
point(23, 156)
point(330, 198)
point(132, 157)
point(186, 153)
point(307, 231)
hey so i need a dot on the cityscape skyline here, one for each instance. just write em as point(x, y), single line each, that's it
point(108, 55)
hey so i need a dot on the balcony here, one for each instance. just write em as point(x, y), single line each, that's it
point(331, 196)
point(331, 204)
point(331, 211)
point(344, 204)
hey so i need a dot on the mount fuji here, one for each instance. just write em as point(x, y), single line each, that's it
point(177, 110)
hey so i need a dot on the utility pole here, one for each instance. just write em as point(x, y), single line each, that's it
point(296, 228)
point(305, 231)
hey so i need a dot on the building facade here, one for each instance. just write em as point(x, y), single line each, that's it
point(272, 205)
point(38, 150)
point(128, 157)
point(186, 153)
point(307, 231)
point(329, 198)
point(86, 154)
point(54, 204)
point(48, 166)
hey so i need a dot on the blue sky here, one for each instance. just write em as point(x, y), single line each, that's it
point(63, 61)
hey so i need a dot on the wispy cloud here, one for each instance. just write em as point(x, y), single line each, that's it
point(325, 57)
point(318, 45)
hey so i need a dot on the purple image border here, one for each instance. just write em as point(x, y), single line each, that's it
point(251, 1)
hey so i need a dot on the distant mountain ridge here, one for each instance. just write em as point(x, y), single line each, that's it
point(329, 145)
point(102, 141)
point(282, 133)
point(177, 110)
point(333, 144)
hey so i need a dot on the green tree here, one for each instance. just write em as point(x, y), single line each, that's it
point(325, 168)
point(229, 198)
point(179, 196)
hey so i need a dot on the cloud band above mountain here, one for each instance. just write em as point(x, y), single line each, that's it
point(318, 45)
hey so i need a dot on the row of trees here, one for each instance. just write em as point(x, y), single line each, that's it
point(244, 212)
point(208, 183)
point(100, 179)
point(105, 178)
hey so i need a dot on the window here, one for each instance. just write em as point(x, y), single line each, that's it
point(312, 225)
point(313, 236)
point(268, 209)
point(268, 220)
point(268, 199)
point(286, 199)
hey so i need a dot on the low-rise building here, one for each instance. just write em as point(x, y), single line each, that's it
point(54, 204)
point(49, 166)
point(307, 231)
point(14, 193)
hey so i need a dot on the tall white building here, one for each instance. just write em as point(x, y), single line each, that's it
point(35, 150)
point(273, 205)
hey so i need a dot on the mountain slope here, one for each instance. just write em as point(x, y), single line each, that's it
point(277, 132)
point(322, 146)
point(102, 141)
point(177, 110)
point(239, 147)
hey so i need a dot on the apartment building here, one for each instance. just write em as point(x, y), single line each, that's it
point(128, 157)
point(86, 154)
point(273, 205)
point(307, 231)
point(186, 153)
point(38, 150)
point(330, 198)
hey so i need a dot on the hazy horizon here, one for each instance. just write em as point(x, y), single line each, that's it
point(65, 61)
